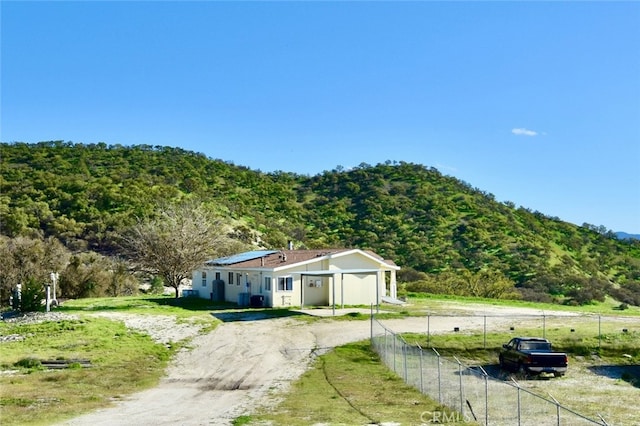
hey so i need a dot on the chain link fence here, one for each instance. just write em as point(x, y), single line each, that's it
point(595, 332)
point(470, 391)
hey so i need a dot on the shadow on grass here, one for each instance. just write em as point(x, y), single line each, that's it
point(128, 303)
point(255, 314)
point(224, 311)
point(628, 373)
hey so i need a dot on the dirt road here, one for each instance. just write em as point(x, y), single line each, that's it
point(233, 369)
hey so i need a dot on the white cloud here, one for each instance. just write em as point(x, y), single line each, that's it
point(521, 131)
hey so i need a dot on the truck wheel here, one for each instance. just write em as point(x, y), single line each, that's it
point(521, 371)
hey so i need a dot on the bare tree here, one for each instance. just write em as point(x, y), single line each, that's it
point(177, 240)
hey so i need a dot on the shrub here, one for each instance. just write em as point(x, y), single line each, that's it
point(30, 363)
point(157, 286)
point(31, 297)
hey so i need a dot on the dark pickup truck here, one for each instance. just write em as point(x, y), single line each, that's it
point(532, 356)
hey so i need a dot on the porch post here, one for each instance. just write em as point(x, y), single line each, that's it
point(378, 292)
point(301, 291)
point(392, 285)
point(342, 290)
point(333, 281)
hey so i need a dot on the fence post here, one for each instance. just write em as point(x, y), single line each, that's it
point(599, 333)
point(421, 373)
point(461, 391)
point(486, 395)
point(544, 326)
point(372, 323)
point(519, 405)
point(557, 409)
point(405, 348)
point(518, 388)
point(394, 354)
point(485, 332)
point(428, 330)
point(386, 347)
point(439, 377)
point(486, 398)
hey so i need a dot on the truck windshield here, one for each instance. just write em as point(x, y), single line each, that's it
point(535, 346)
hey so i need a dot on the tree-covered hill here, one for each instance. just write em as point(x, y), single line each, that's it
point(447, 235)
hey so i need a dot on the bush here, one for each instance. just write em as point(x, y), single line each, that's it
point(157, 286)
point(31, 298)
point(31, 363)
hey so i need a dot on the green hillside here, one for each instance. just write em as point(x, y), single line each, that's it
point(446, 235)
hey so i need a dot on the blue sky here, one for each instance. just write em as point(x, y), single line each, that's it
point(537, 103)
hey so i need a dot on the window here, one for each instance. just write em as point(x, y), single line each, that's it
point(239, 277)
point(285, 283)
point(217, 276)
point(230, 278)
point(204, 279)
point(267, 283)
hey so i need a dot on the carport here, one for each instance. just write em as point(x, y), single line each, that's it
point(342, 272)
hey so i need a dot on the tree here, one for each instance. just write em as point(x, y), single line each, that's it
point(24, 259)
point(121, 282)
point(175, 241)
point(87, 275)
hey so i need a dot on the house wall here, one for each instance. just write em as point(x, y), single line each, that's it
point(197, 282)
point(246, 282)
point(358, 289)
point(285, 298)
point(316, 291)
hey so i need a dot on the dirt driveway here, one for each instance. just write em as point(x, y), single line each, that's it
point(233, 369)
point(238, 366)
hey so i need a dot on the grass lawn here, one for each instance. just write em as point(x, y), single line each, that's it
point(123, 361)
point(350, 386)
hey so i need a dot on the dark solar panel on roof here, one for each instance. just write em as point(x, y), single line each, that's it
point(241, 257)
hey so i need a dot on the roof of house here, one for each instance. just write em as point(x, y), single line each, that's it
point(276, 259)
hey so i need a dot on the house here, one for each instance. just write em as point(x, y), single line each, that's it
point(299, 278)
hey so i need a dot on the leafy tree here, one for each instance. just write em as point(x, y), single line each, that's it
point(176, 240)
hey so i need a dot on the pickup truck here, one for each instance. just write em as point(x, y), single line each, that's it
point(532, 356)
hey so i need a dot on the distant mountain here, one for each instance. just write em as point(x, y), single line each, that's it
point(625, 236)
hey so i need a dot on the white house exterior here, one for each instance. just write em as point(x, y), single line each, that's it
point(298, 278)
